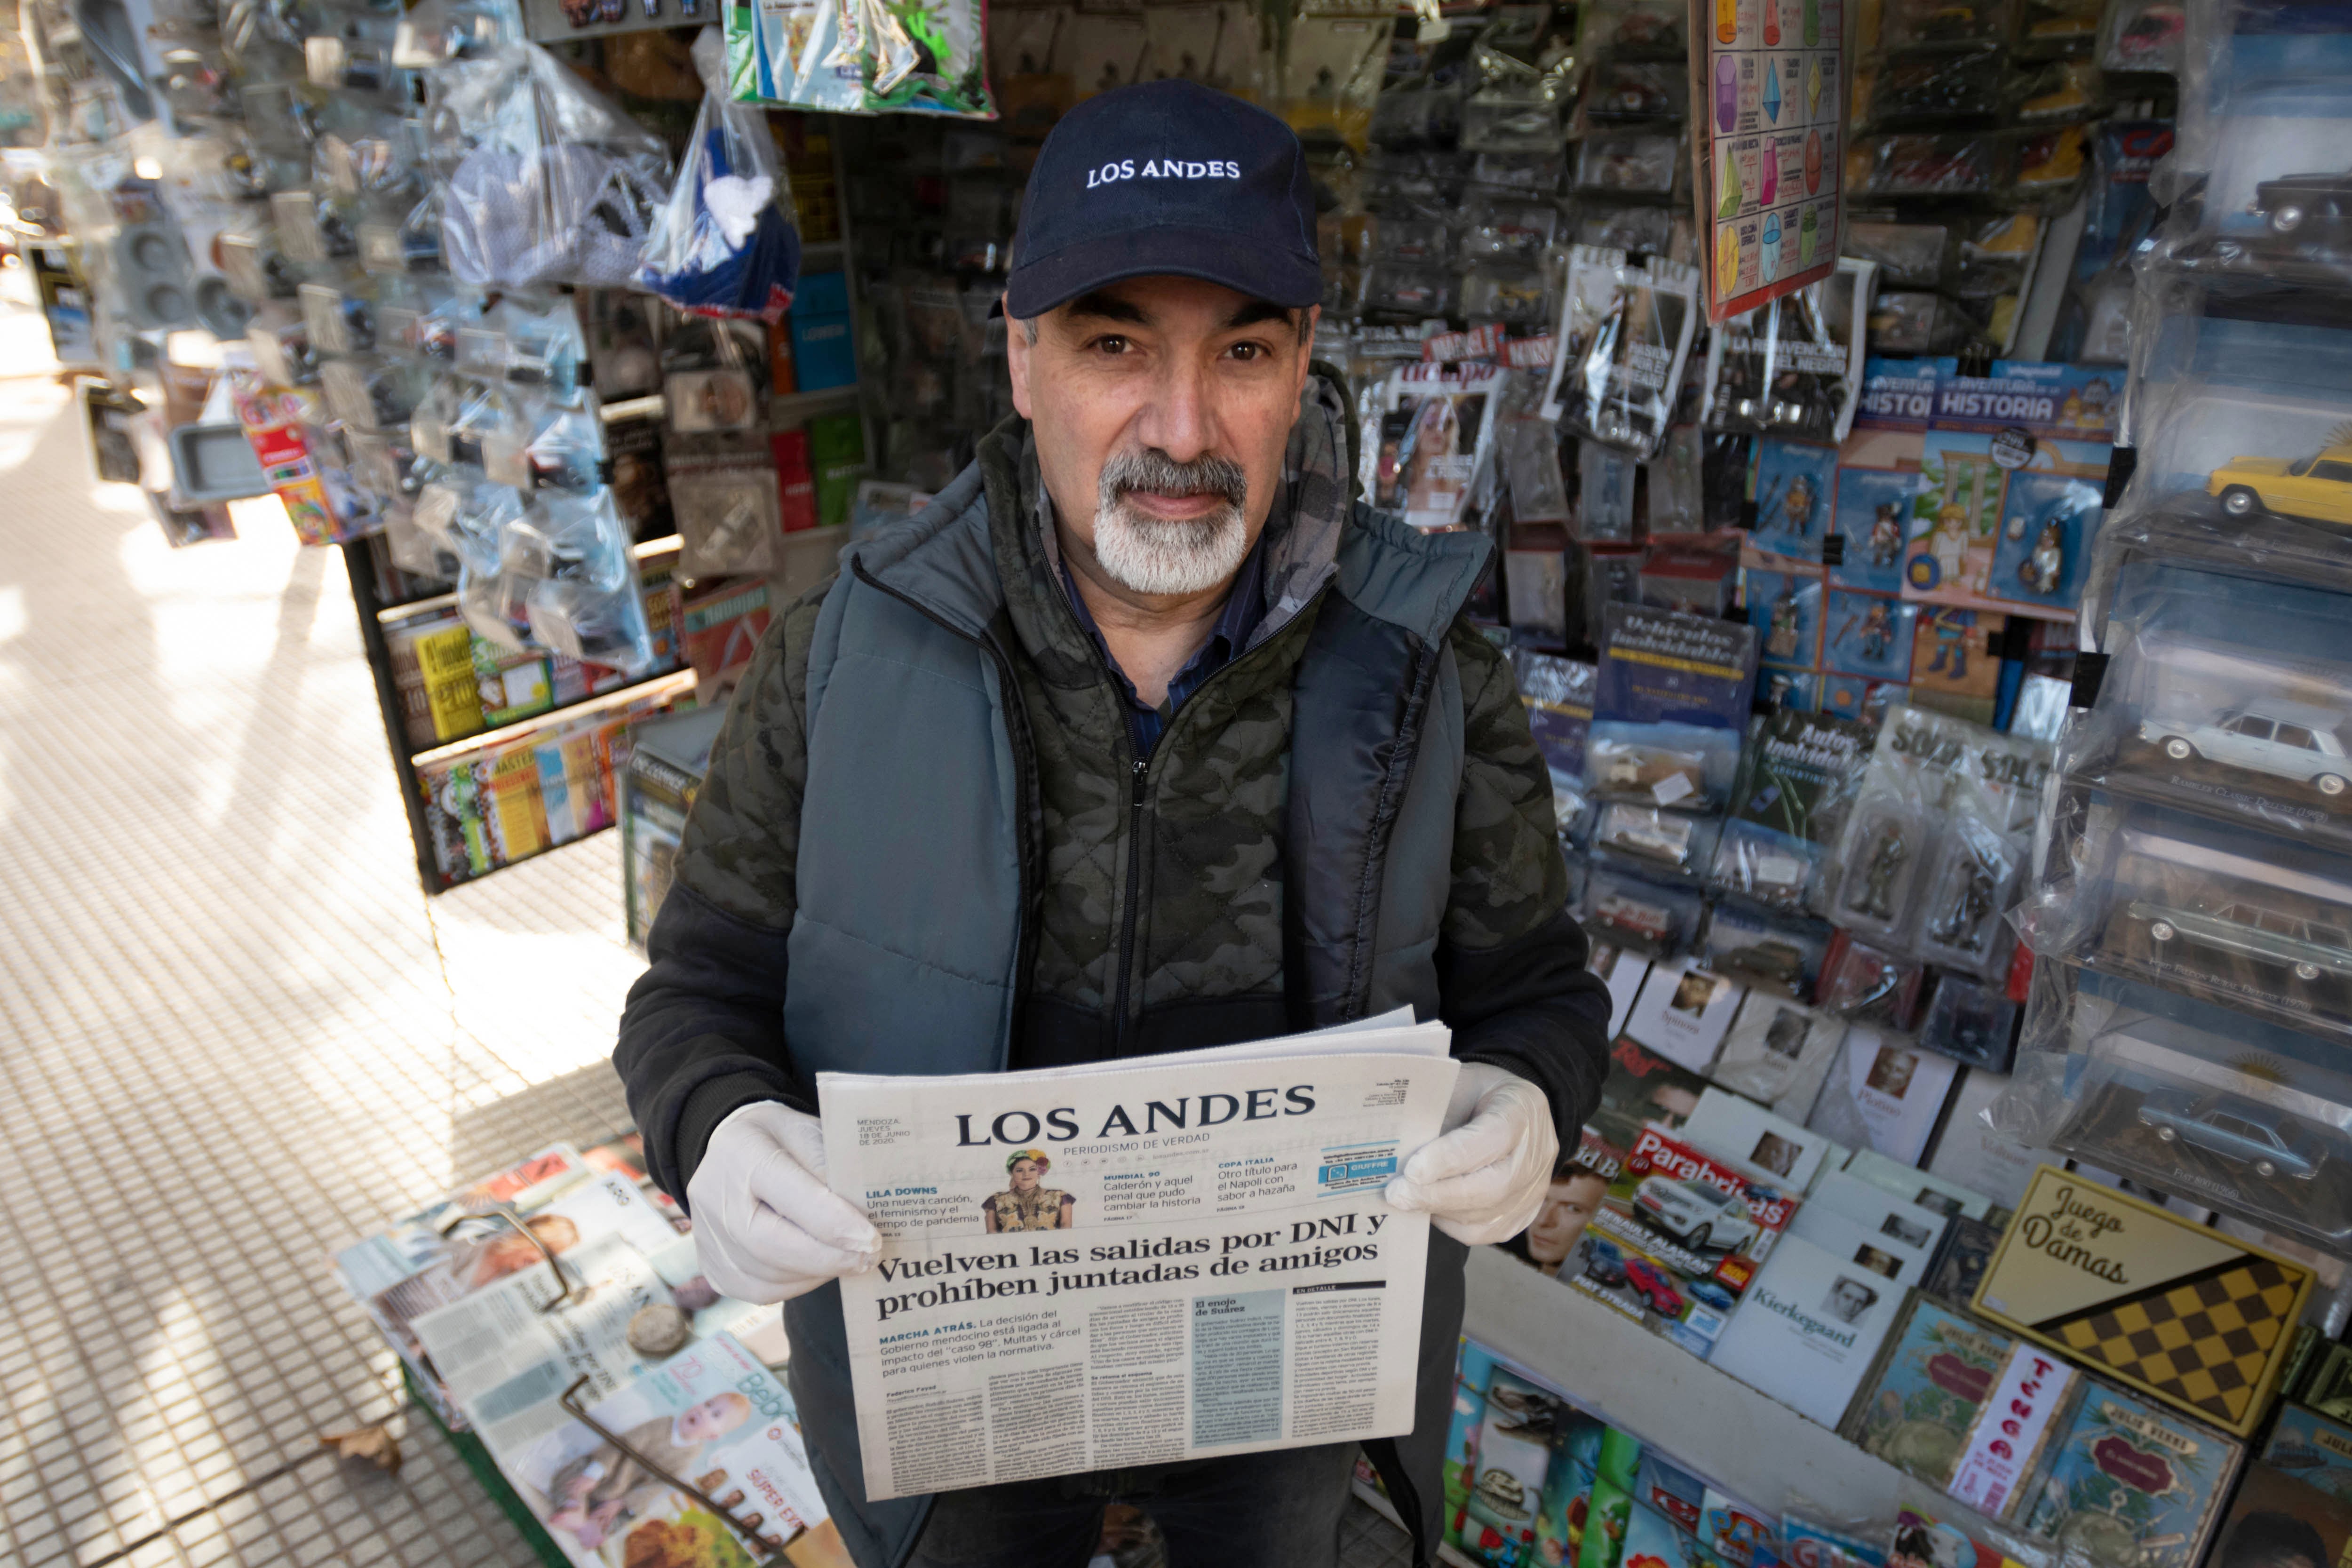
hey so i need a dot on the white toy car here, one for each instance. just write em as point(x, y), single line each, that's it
point(2285, 740)
point(1703, 1218)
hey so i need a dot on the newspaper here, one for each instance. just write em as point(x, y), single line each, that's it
point(1209, 1267)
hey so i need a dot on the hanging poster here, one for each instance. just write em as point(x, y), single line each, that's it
point(1767, 156)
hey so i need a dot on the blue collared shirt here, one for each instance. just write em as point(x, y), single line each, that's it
point(1244, 607)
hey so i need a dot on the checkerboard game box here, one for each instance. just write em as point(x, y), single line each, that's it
point(2190, 1315)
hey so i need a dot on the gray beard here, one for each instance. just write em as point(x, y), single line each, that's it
point(1153, 556)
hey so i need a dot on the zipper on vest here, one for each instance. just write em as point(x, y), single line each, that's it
point(1139, 777)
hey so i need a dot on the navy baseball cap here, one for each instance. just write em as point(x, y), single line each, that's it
point(1166, 179)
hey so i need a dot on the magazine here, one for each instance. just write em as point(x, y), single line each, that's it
point(1683, 1014)
point(1435, 441)
point(1679, 1236)
point(711, 1416)
point(1884, 1095)
point(1235, 1280)
point(1625, 327)
point(2134, 1482)
point(1940, 1369)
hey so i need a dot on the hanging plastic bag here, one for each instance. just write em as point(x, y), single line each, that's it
point(927, 56)
point(552, 183)
point(724, 243)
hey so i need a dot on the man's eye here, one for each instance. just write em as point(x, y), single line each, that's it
point(1111, 345)
point(1245, 351)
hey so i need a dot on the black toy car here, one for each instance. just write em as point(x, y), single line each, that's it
point(2307, 209)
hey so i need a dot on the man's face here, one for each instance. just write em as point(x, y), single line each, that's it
point(1569, 1205)
point(1182, 395)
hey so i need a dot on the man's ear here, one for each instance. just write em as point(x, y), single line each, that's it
point(1017, 346)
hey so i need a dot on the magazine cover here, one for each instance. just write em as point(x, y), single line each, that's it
point(1794, 786)
point(1680, 1235)
point(604, 1205)
point(1884, 1095)
point(2012, 481)
point(1810, 1330)
point(1780, 1053)
point(711, 1416)
point(1921, 1541)
point(1435, 441)
point(1670, 707)
point(1741, 1130)
point(2278, 1522)
point(416, 1243)
point(1523, 1424)
point(2313, 1449)
point(1684, 1013)
point(1624, 330)
point(1914, 1226)
point(1645, 1086)
point(1939, 1368)
point(2134, 1482)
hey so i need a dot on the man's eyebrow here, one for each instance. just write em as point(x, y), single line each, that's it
point(1256, 312)
point(1108, 308)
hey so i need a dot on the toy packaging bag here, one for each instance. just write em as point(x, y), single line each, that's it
point(1793, 367)
point(1798, 777)
point(1617, 362)
point(725, 244)
point(1670, 707)
point(2011, 487)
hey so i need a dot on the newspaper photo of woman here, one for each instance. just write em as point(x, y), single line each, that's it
point(1027, 1205)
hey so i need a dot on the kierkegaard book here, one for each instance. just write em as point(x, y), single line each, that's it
point(1809, 1329)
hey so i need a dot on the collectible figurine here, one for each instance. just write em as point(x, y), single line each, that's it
point(1958, 927)
point(1952, 628)
point(1787, 620)
point(2285, 740)
point(1885, 535)
point(1886, 858)
point(2317, 489)
point(1877, 631)
point(1795, 507)
point(2240, 1130)
point(2044, 569)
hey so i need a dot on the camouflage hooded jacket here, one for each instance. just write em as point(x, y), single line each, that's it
point(926, 784)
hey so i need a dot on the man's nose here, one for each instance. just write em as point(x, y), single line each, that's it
point(1181, 418)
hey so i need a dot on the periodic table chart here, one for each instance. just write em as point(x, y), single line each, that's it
point(1773, 88)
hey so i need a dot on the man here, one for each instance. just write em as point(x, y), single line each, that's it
point(1143, 737)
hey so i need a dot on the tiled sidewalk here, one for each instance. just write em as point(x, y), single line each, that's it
point(233, 1034)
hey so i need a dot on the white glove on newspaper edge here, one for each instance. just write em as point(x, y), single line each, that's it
point(766, 1227)
point(1485, 1180)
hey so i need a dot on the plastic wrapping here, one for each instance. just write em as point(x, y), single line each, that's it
point(548, 181)
point(1864, 982)
point(2187, 1096)
point(1434, 448)
point(1665, 842)
point(1636, 911)
point(1798, 777)
point(1617, 362)
point(1628, 163)
point(1937, 86)
point(1779, 953)
point(1793, 367)
point(724, 243)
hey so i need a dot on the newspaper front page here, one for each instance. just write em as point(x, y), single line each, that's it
point(1135, 1263)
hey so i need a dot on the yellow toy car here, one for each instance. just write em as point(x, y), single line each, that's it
point(2318, 488)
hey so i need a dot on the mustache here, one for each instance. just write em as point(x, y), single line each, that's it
point(1154, 470)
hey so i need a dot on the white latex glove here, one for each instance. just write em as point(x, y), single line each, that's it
point(766, 1227)
point(1485, 1179)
